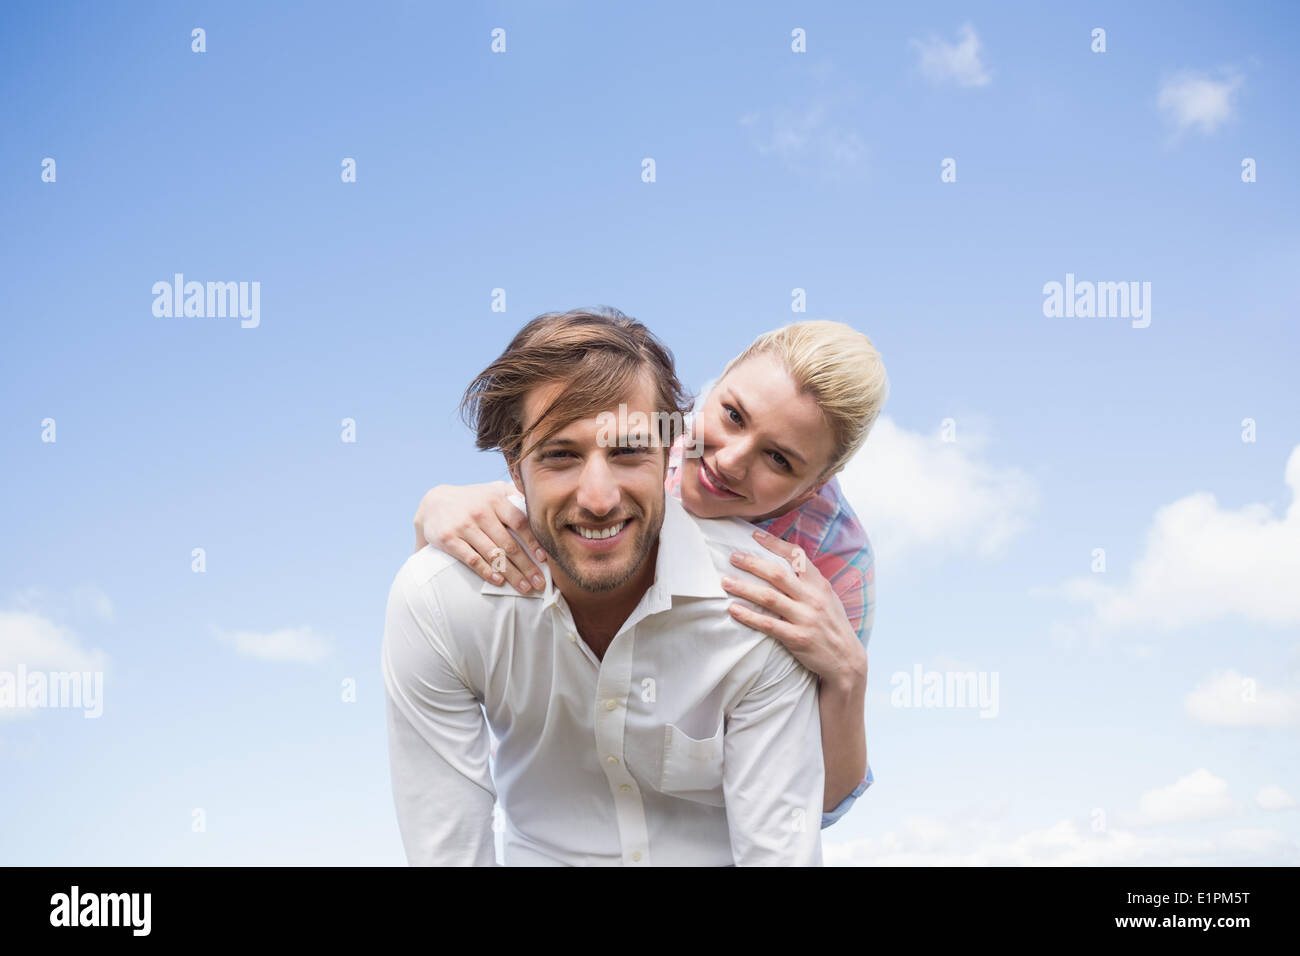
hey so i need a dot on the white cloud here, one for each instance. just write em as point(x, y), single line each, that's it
point(958, 63)
point(1230, 700)
point(1194, 100)
point(917, 494)
point(1274, 798)
point(83, 603)
point(806, 137)
point(1066, 843)
point(286, 644)
point(981, 838)
point(1202, 562)
point(32, 640)
point(1197, 796)
point(35, 641)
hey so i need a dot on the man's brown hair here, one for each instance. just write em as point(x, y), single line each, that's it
point(598, 352)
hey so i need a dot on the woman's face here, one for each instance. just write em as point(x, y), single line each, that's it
point(756, 446)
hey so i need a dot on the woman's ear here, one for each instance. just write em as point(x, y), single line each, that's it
point(807, 496)
point(815, 490)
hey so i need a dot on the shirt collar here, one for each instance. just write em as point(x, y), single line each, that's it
point(548, 594)
point(683, 565)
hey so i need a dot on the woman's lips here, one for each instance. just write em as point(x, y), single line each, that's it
point(713, 485)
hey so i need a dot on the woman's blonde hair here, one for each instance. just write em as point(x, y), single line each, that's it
point(839, 368)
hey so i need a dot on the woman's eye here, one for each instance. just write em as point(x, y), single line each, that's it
point(734, 415)
point(780, 460)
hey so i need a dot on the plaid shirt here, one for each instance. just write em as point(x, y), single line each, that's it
point(828, 531)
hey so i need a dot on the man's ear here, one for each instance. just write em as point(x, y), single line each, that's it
point(515, 475)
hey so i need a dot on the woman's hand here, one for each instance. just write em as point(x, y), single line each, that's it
point(810, 620)
point(470, 523)
point(812, 625)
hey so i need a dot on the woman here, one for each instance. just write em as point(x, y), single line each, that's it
point(764, 444)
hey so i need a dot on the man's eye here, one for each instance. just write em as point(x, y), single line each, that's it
point(552, 455)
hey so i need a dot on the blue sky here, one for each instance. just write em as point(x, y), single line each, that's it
point(1125, 692)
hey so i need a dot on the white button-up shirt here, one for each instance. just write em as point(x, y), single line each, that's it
point(694, 741)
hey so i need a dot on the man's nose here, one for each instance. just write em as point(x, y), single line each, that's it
point(598, 492)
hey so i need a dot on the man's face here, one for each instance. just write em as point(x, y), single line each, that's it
point(595, 494)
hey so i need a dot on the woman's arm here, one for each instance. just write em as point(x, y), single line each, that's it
point(844, 736)
point(813, 626)
point(470, 523)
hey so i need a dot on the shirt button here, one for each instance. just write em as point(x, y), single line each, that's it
point(611, 759)
point(625, 788)
point(611, 704)
point(573, 639)
point(636, 855)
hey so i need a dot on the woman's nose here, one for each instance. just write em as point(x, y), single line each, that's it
point(730, 461)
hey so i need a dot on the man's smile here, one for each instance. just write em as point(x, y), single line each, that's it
point(599, 537)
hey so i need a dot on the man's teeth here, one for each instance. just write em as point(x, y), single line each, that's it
point(605, 533)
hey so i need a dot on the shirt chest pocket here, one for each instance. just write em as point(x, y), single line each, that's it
point(692, 768)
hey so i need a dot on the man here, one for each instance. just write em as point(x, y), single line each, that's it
point(639, 723)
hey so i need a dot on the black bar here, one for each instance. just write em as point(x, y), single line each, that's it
point(239, 904)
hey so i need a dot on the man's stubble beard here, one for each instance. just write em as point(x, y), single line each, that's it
point(645, 541)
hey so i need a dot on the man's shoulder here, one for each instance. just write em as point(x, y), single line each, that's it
point(427, 565)
point(433, 573)
point(726, 535)
point(722, 537)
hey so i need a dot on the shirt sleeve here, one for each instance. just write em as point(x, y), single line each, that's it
point(772, 768)
point(438, 742)
point(841, 808)
point(856, 594)
point(852, 576)
point(859, 600)
point(868, 595)
point(844, 556)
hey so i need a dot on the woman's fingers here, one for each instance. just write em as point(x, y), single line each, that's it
point(764, 597)
point(791, 552)
point(774, 544)
point(773, 572)
point(460, 549)
point(503, 554)
point(783, 631)
point(514, 518)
